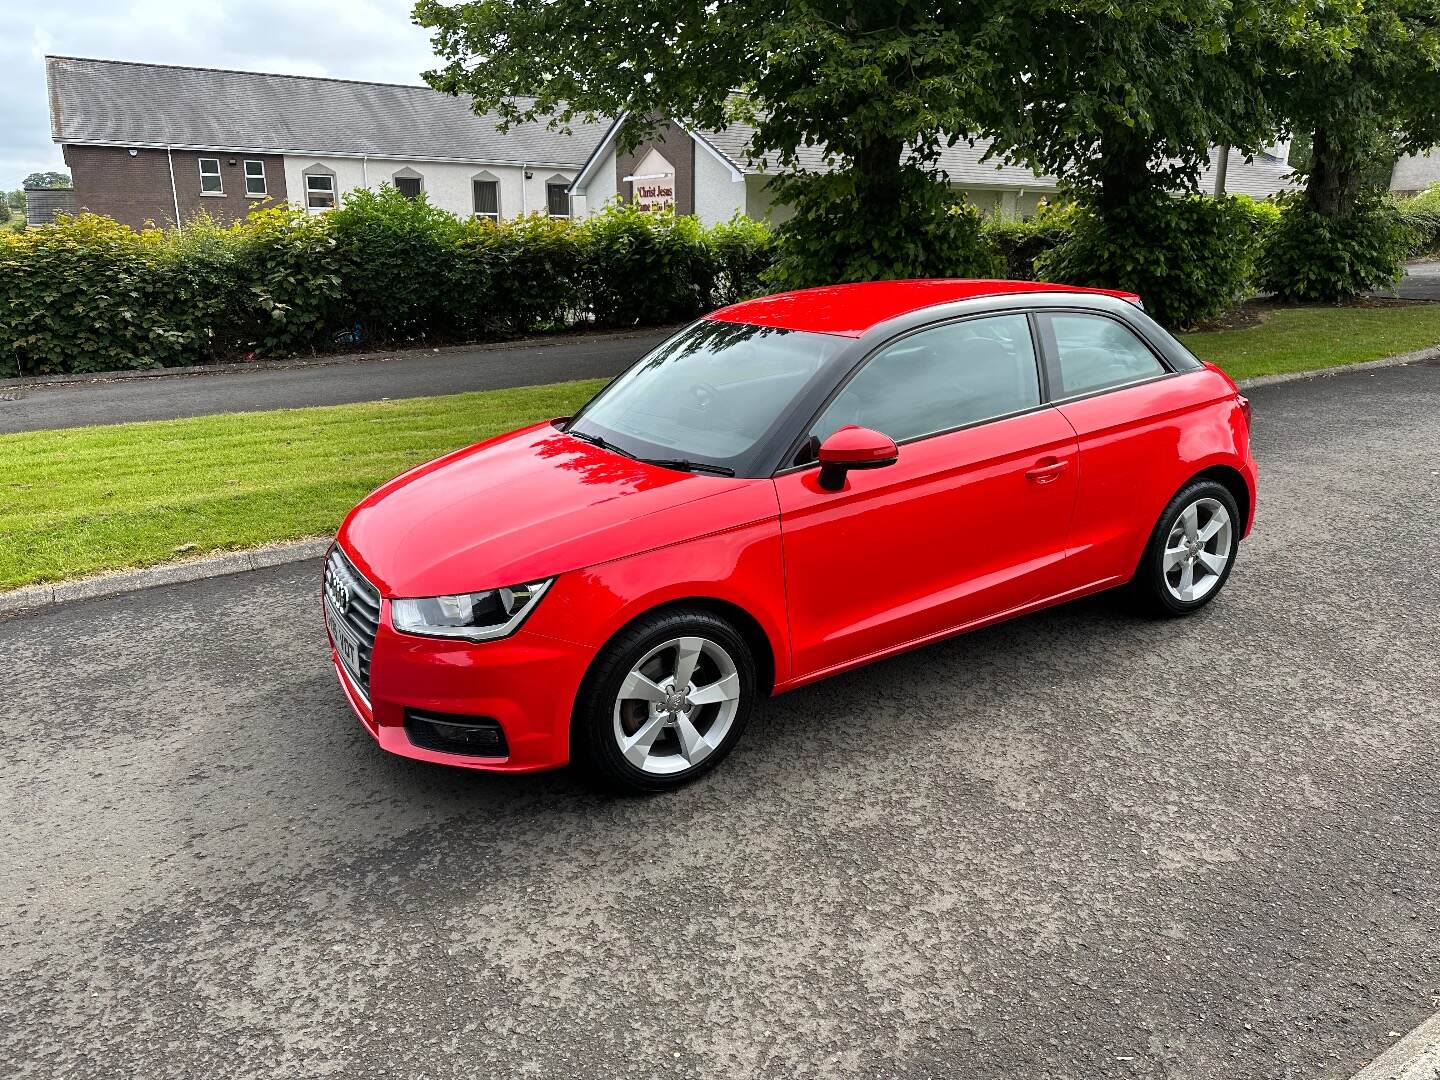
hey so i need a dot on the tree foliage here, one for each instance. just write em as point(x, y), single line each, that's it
point(47, 180)
point(1360, 86)
point(873, 88)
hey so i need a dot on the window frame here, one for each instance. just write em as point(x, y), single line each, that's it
point(418, 180)
point(475, 181)
point(1050, 354)
point(788, 463)
point(334, 193)
point(550, 184)
point(218, 174)
point(264, 192)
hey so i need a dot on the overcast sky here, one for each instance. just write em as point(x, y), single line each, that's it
point(355, 39)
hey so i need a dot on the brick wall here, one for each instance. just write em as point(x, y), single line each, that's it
point(135, 189)
point(678, 148)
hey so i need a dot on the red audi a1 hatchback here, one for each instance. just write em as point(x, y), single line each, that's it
point(788, 488)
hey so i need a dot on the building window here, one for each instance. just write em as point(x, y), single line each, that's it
point(557, 200)
point(409, 186)
point(255, 179)
point(320, 191)
point(210, 177)
point(487, 199)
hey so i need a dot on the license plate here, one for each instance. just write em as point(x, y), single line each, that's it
point(345, 644)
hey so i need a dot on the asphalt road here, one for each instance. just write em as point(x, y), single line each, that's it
point(1078, 845)
point(1421, 282)
point(240, 389)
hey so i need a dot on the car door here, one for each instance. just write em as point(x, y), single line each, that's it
point(1129, 415)
point(969, 522)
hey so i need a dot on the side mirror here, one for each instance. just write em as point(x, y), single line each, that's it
point(854, 448)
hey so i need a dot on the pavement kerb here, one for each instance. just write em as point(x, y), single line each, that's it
point(36, 598)
point(1415, 1057)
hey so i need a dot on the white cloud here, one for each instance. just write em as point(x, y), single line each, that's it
point(360, 39)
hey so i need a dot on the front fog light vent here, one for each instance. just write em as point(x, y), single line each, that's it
point(448, 733)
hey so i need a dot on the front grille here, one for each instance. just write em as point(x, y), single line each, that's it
point(360, 613)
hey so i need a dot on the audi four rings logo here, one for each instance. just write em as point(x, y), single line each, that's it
point(337, 590)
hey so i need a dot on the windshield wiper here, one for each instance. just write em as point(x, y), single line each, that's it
point(688, 466)
point(596, 440)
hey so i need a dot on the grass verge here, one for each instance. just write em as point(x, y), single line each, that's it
point(86, 500)
point(1305, 338)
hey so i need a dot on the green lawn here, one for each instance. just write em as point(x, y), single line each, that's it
point(104, 498)
point(86, 500)
point(1301, 339)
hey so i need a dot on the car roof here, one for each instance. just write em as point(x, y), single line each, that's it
point(851, 310)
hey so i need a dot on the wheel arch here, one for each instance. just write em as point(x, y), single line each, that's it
point(1233, 481)
point(745, 624)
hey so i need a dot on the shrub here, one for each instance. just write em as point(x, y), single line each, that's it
point(839, 233)
point(88, 294)
point(1188, 258)
point(741, 250)
point(1421, 217)
point(1310, 257)
point(639, 266)
point(396, 258)
point(1019, 242)
point(516, 277)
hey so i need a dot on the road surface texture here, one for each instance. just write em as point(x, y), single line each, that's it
point(236, 388)
point(1078, 845)
point(1421, 282)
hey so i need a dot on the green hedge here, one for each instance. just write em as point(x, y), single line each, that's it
point(1313, 258)
point(88, 294)
point(1421, 217)
point(1188, 258)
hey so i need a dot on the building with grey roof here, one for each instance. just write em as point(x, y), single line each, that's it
point(707, 173)
point(154, 143)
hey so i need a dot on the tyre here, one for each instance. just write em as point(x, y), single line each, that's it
point(664, 702)
point(1191, 552)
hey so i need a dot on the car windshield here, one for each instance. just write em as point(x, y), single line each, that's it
point(716, 396)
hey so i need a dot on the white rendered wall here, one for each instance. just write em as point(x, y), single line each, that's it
point(599, 190)
point(446, 184)
point(718, 195)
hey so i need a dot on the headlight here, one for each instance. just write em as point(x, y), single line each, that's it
point(481, 616)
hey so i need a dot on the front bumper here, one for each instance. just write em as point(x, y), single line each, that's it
point(526, 682)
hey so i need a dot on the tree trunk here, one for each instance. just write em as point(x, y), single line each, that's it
point(1334, 181)
point(1124, 173)
point(877, 169)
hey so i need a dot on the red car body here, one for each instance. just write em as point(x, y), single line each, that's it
point(965, 528)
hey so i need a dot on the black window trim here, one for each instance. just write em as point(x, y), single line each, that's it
point(1040, 375)
point(1050, 354)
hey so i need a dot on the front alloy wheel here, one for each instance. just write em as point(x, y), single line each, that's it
point(677, 705)
point(664, 702)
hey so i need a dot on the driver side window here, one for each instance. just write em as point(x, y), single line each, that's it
point(941, 378)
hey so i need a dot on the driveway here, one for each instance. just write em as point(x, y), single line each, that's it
point(1078, 845)
point(1421, 282)
point(238, 388)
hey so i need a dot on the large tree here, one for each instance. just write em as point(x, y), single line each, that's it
point(1363, 104)
point(876, 84)
point(47, 180)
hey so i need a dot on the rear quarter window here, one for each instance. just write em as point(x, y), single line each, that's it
point(1093, 352)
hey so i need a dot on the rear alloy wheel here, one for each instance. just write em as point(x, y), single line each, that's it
point(1191, 551)
point(666, 702)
